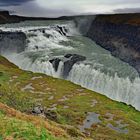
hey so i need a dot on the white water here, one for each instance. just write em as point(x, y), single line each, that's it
point(119, 89)
point(101, 72)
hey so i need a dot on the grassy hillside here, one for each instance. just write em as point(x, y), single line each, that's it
point(16, 125)
point(65, 103)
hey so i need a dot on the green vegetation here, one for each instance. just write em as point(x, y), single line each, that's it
point(13, 128)
point(71, 103)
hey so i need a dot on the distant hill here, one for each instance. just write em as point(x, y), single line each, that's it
point(5, 17)
point(130, 18)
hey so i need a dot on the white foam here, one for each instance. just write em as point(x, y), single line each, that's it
point(116, 88)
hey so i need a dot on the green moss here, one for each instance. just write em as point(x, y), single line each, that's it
point(17, 129)
point(3, 77)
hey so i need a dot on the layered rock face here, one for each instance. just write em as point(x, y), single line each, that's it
point(120, 34)
point(12, 42)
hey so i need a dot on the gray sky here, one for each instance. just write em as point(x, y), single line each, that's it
point(54, 8)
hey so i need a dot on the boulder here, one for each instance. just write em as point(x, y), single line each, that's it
point(38, 110)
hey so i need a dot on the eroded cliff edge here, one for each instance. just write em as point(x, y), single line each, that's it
point(120, 34)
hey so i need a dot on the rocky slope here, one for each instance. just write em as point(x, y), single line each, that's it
point(17, 125)
point(120, 34)
point(26, 118)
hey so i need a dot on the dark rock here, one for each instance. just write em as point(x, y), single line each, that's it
point(36, 47)
point(68, 55)
point(47, 35)
point(55, 63)
point(38, 110)
point(51, 115)
point(75, 57)
point(65, 30)
point(62, 30)
point(12, 42)
point(43, 31)
point(72, 59)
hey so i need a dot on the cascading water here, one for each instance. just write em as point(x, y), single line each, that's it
point(100, 71)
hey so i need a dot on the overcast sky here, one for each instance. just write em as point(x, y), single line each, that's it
point(55, 8)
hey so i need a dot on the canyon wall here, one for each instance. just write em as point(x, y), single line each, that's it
point(120, 34)
point(12, 42)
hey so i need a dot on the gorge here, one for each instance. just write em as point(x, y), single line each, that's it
point(70, 78)
point(63, 48)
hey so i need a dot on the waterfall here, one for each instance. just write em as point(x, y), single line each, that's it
point(100, 72)
point(116, 88)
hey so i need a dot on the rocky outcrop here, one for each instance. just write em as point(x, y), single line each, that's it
point(120, 34)
point(55, 63)
point(38, 110)
point(49, 114)
point(69, 60)
point(62, 30)
point(12, 42)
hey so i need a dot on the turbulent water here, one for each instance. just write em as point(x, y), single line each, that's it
point(100, 72)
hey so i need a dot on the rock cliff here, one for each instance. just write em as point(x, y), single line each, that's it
point(120, 34)
point(12, 42)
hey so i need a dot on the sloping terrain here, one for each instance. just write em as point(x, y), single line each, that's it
point(16, 125)
point(67, 104)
